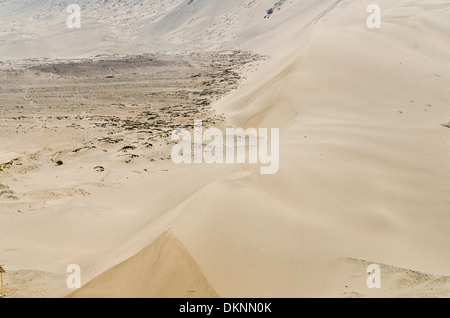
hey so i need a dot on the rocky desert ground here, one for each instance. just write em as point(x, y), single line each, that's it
point(363, 115)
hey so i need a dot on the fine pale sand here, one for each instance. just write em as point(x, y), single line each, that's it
point(364, 166)
point(141, 275)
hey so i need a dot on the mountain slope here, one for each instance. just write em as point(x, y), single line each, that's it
point(34, 28)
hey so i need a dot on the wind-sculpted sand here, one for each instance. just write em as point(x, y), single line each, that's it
point(73, 129)
point(86, 175)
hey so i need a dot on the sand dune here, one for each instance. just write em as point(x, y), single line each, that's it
point(364, 158)
point(364, 175)
point(163, 269)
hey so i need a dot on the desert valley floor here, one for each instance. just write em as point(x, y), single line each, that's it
point(87, 178)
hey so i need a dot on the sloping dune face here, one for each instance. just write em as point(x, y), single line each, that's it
point(163, 269)
point(363, 173)
point(364, 163)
